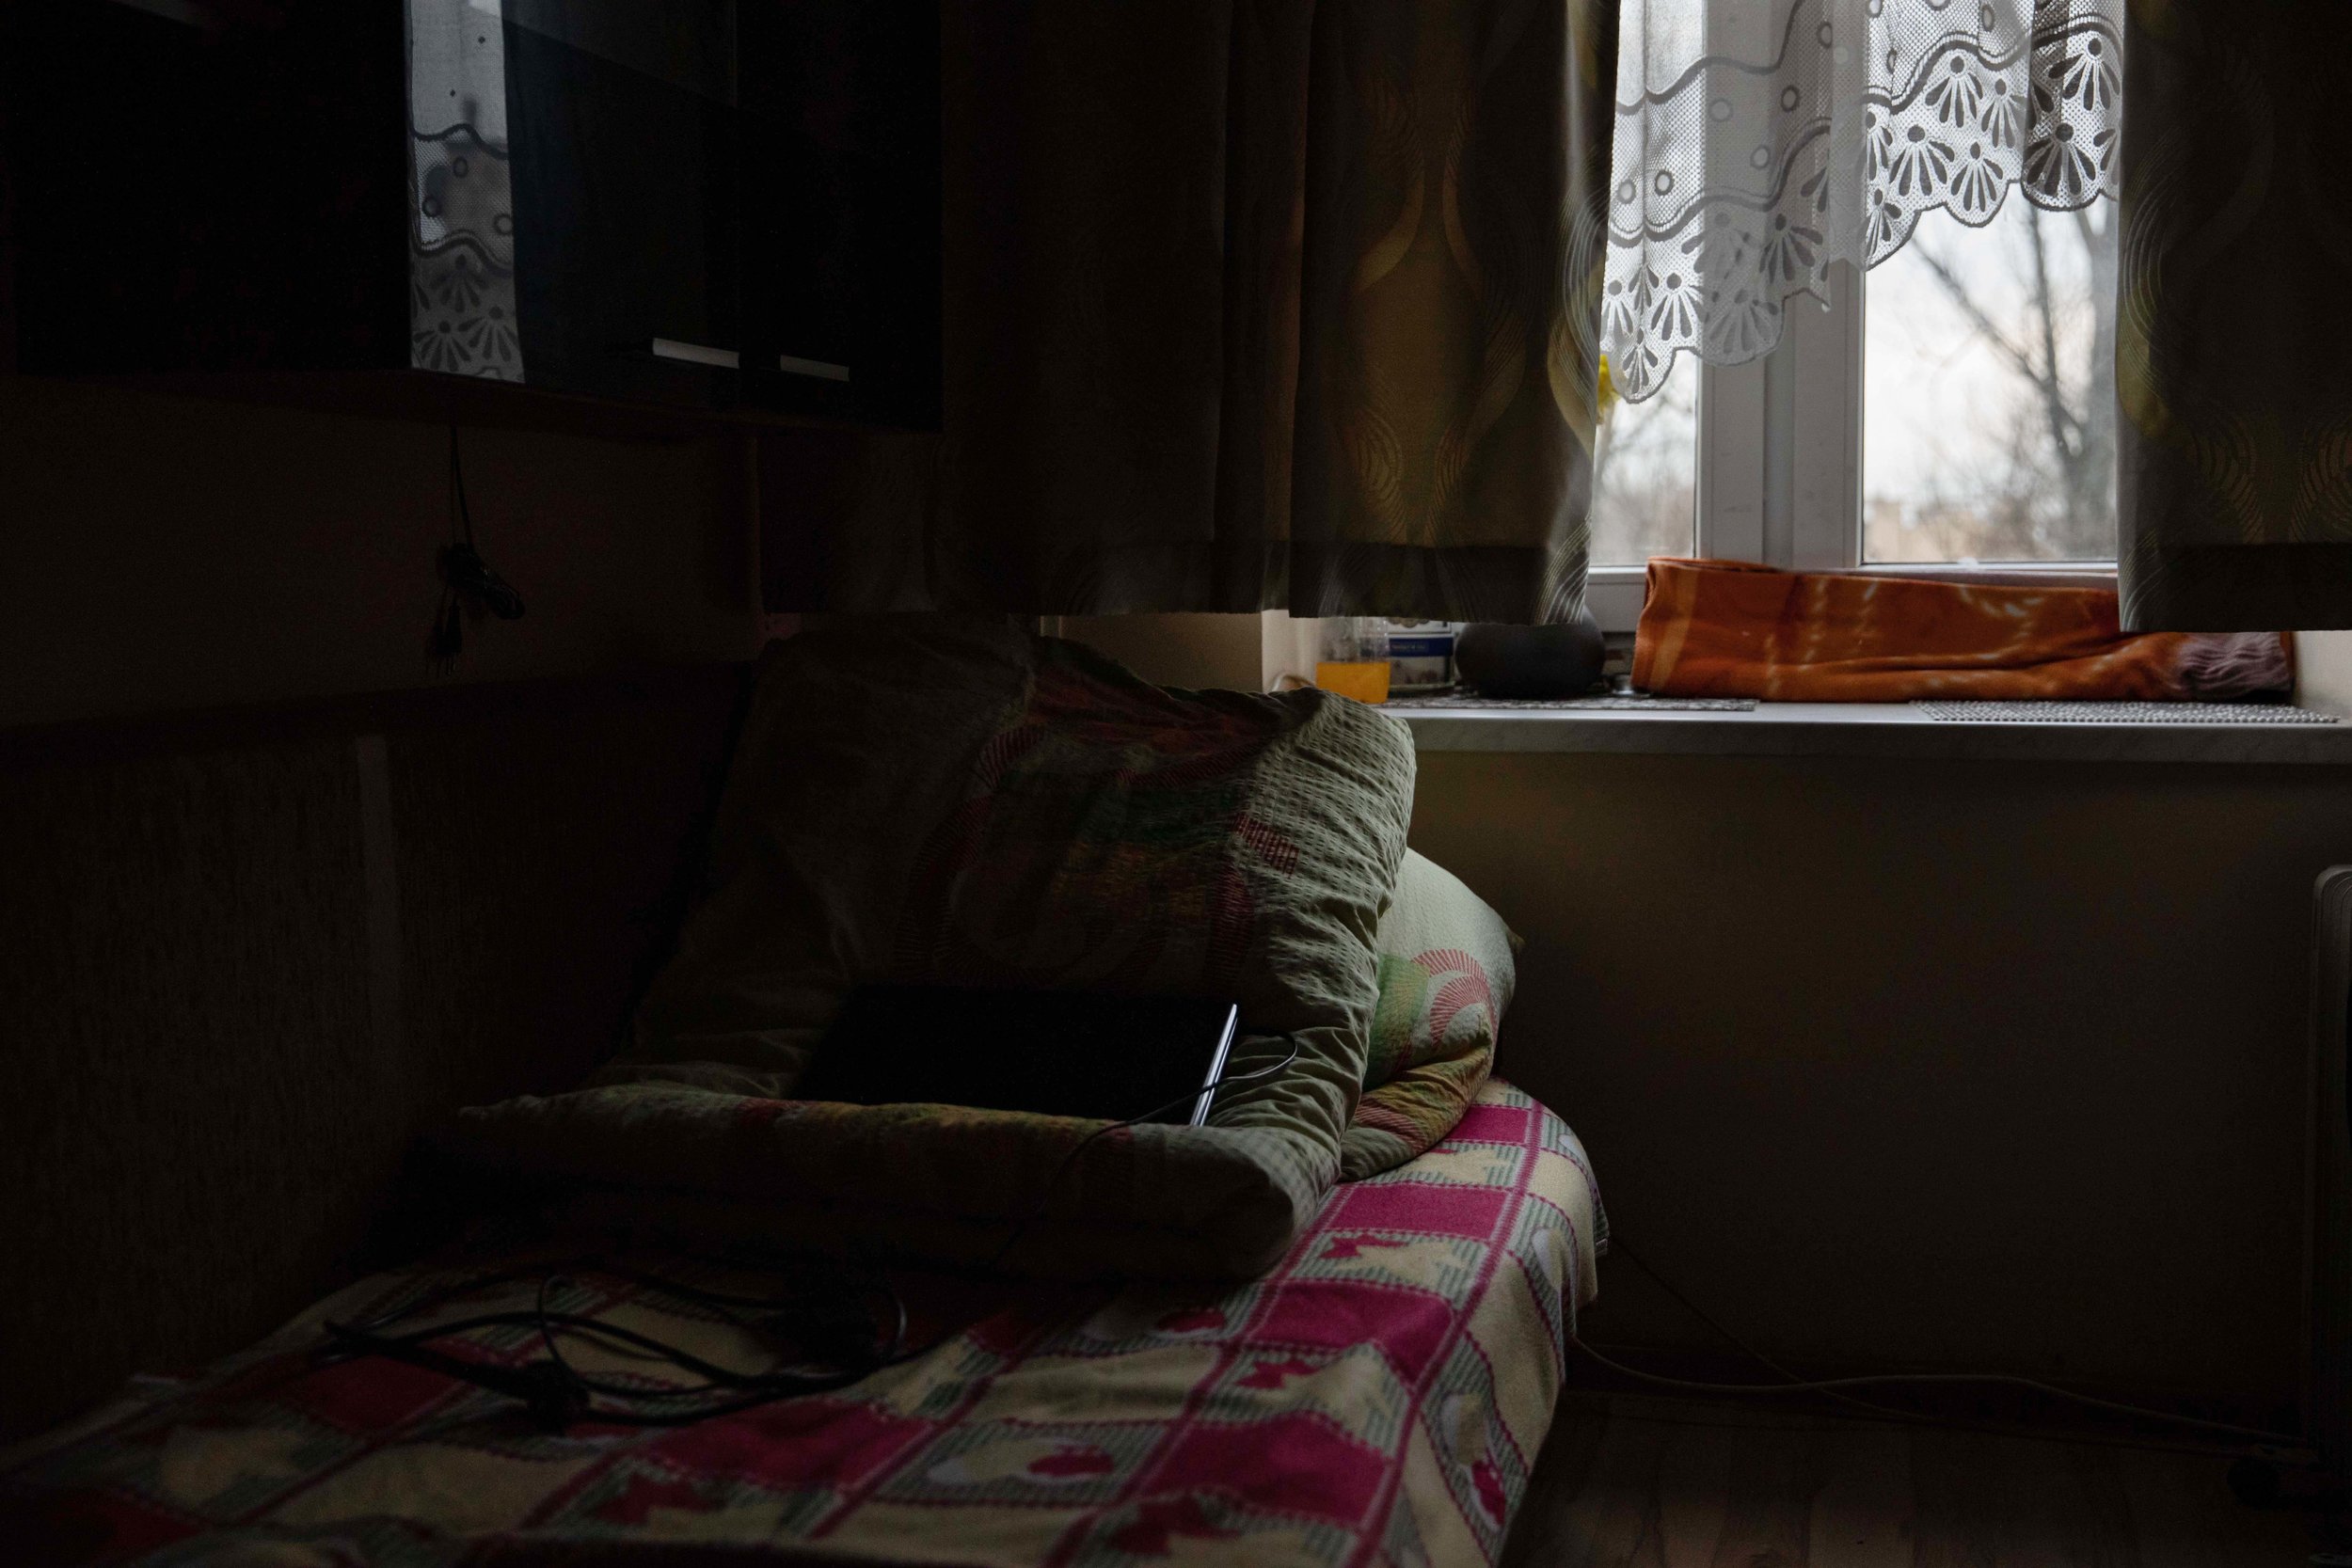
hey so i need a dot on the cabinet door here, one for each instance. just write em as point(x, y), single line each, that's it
point(201, 188)
point(708, 203)
point(621, 118)
point(841, 213)
point(728, 202)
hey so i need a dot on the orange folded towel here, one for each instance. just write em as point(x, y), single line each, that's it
point(1721, 628)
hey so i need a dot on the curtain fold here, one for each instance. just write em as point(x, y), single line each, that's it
point(2233, 357)
point(1250, 304)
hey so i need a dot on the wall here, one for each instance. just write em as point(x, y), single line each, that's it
point(250, 957)
point(1921, 1064)
point(1175, 650)
point(1925, 1064)
point(2322, 670)
point(1245, 652)
point(167, 552)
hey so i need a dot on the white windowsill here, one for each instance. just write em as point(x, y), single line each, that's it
point(1865, 730)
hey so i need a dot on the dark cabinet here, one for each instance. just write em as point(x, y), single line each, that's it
point(719, 205)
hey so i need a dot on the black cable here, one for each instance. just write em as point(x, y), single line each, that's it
point(552, 1402)
point(544, 1322)
point(467, 579)
point(1834, 1386)
point(557, 1393)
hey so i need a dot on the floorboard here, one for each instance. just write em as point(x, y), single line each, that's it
point(1631, 1481)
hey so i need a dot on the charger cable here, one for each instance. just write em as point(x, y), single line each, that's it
point(1835, 1386)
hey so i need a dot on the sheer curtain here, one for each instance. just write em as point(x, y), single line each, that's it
point(1760, 141)
point(461, 235)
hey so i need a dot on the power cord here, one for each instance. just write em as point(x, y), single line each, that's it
point(468, 583)
point(557, 1393)
point(837, 1323)
point(1835, 1387)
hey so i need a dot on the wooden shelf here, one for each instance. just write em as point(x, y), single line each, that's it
point(426, 397)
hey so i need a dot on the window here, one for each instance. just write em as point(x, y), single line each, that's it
point(1951, 410)
point(1988, 391)
point(1646, 478)
point(1951, 413)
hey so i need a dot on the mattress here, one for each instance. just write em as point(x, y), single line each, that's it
point(1377, 1398)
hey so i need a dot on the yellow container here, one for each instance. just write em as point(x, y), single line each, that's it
point(1366, 683)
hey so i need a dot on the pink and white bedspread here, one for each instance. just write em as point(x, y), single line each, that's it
point(1378, 1398)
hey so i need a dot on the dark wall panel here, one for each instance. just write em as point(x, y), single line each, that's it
point(246, 958)
point(194, 1113)
point(539, 859)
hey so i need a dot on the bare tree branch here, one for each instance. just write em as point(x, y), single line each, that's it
point(2051, 392)
point(2090, 232)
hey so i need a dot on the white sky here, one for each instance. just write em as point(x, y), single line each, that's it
point(1933, 386)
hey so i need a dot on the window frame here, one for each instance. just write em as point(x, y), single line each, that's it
point(1779, 465)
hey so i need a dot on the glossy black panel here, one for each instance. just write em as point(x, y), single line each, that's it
point(840, 106)
point(229, 197)
point(627, 203)
point(199, 186)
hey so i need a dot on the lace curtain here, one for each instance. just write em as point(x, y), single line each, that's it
point(461, 236)
point(1759, 141)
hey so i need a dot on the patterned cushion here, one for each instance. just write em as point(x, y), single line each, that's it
point(959, 801)
point(1445, 978)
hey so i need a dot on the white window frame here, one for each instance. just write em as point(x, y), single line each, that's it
point(1779, 465)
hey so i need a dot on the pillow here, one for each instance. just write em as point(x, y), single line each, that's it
point(961, 802)
point(898, 1183)
point(1446, 976)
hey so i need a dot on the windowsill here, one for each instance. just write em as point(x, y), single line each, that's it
point(1866, 730)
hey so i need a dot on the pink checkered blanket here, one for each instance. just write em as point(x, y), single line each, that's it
point(1376, 1398)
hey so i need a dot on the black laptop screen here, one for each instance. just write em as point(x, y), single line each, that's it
point(1058, 1053)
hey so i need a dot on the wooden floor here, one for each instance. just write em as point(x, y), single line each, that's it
point(1629, 1482)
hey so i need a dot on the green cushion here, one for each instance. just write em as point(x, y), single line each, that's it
point(1446, 976)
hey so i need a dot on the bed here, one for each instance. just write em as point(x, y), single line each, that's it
point(1377, 1398)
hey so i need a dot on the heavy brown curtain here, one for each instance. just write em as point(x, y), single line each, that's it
point(2233, 357)
point(1250, 304)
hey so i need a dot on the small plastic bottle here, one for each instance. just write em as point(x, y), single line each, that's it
point(1354, 658)
point(1421, 656)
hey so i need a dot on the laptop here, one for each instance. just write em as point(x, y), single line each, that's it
point(1067, 1054)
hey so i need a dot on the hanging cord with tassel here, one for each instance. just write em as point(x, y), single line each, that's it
point(468, 583)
